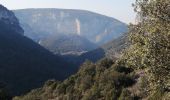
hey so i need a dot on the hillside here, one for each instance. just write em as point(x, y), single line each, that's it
point(67, 44)
point(25, 65)
point(97, 29)
point(100, 81)
point(111, 50)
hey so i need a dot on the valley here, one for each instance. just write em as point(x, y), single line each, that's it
point(72, 54)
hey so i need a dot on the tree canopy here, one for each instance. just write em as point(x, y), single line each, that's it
point(150, 43)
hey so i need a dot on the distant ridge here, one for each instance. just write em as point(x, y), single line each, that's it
point(41, 23)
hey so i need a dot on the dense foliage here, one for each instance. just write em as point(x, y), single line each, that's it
point(150, 45)
point(100, 81)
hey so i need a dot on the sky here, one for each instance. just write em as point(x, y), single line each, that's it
point(119, 9)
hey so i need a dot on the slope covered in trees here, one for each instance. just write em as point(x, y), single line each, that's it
point(100, 81)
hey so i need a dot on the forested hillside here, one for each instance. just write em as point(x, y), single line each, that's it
point(103, 80)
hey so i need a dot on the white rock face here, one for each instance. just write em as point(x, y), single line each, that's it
point(62, 14)
point(97, 28)
point(78, 26)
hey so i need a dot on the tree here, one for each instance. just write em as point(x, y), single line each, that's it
point(150, 42)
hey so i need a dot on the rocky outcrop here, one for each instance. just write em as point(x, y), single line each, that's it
point(9, 18)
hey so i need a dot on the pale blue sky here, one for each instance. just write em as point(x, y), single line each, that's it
point(120, 9)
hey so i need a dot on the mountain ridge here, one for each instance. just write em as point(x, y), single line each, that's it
point(98, 29)
point(69, 9)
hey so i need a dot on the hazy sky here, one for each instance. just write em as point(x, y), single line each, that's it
point(120, 9)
